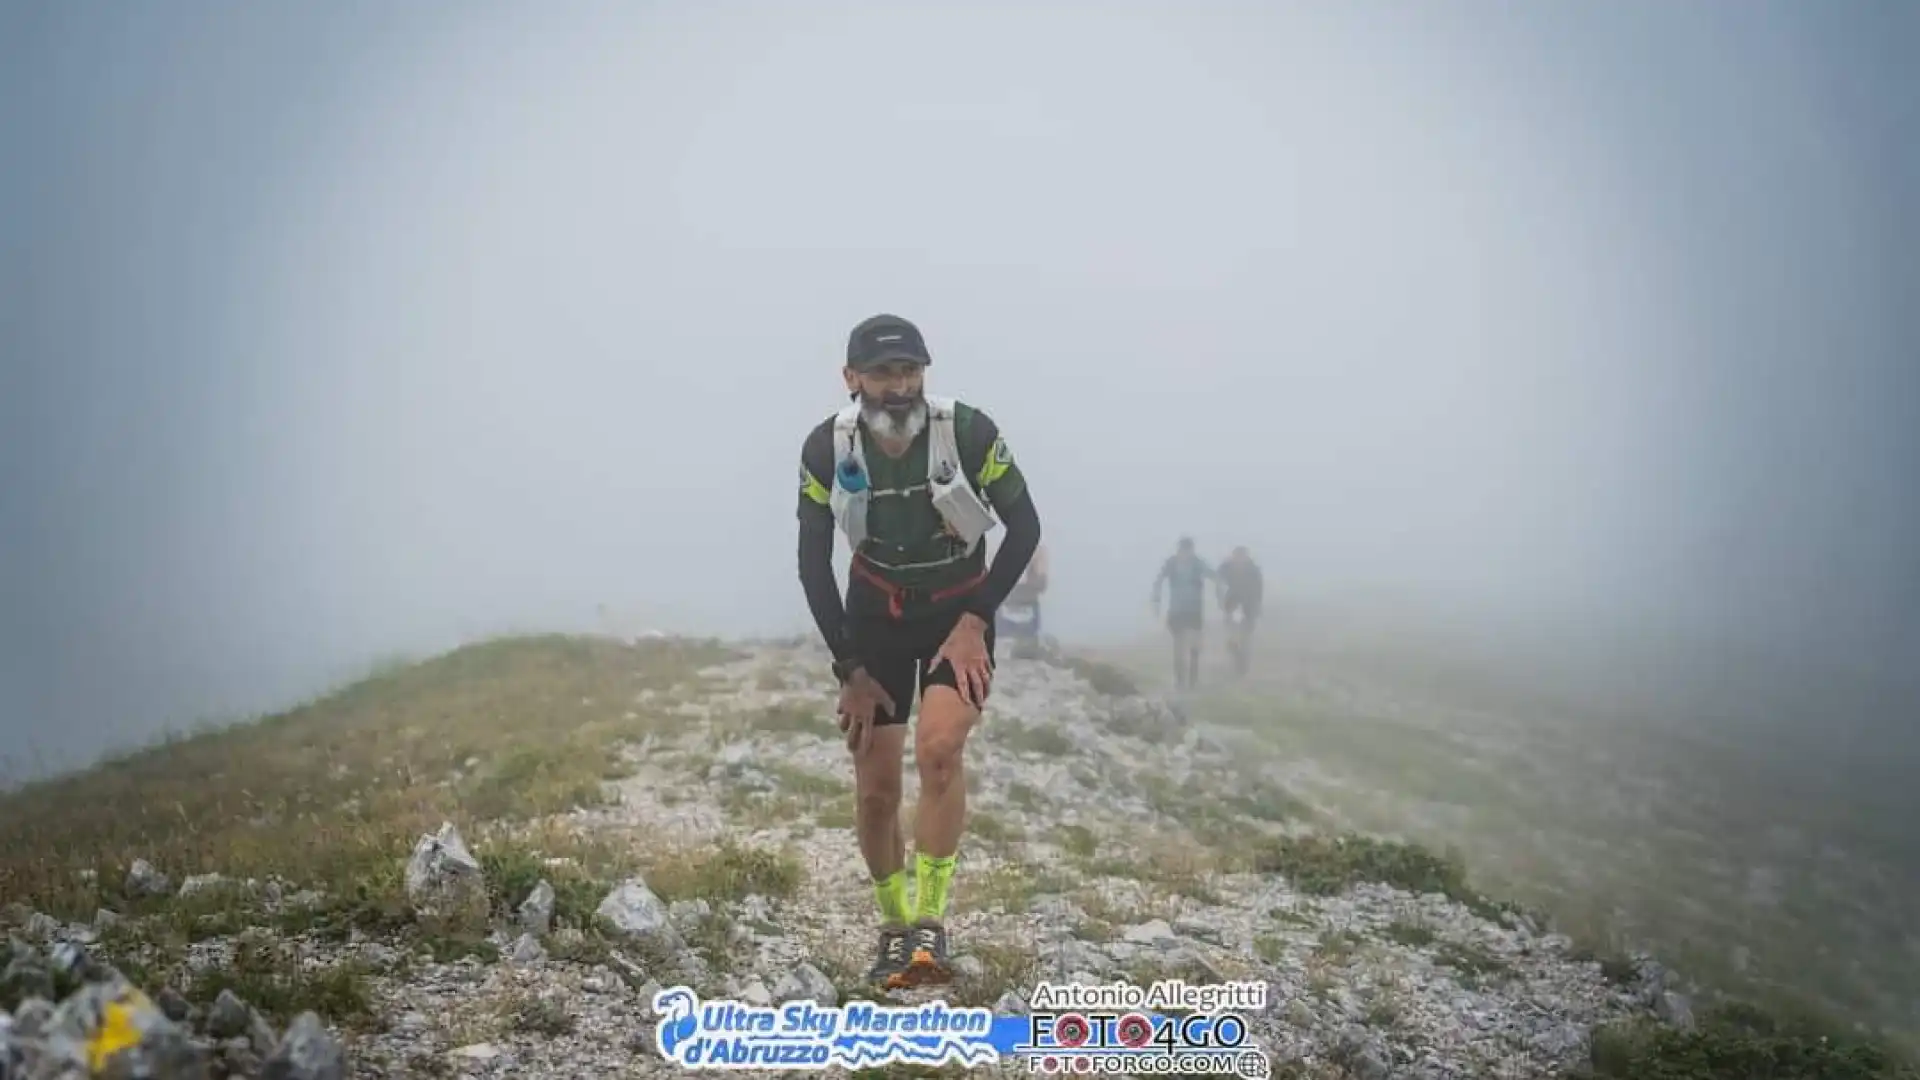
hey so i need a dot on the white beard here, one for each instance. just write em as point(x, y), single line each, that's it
point(884, 425)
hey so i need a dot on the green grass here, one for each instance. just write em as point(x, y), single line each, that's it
point(794, 718)
point(1744, 869)
point(1003, 966)
point(1221, 815)
point(1324, 865)
point(1027, 739)
point(799, 795)
point(1005, 887)
point(1096, 930)
point(512, 874)
point(1692, 843)
point(1739, 1044)
point(539, 780)
point(151, 949)
point(835, 813)
point(1338, 946)
point(1614, 968)
point(331, 796)
point(1471, 961)
point(1105, 678)
point(994, 830)
point(729, 871)
point(1077, 840)
point(335, 793)
point(1383, 1010)
point(1410, 934)
point(1026, 797)
point(803, 782)
point(1164, 862)
point(282, 987)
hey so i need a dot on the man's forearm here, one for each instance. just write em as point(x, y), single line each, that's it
point(1010, 562)
point(823, 592)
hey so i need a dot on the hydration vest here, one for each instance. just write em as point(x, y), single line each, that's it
point(966, 516)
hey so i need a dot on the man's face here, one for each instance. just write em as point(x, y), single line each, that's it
point(891, 393)
point(1186, 547)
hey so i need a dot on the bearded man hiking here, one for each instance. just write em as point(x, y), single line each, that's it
point(915, 483)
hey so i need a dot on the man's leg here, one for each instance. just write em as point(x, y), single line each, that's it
point(939, 749)
point(1179, 635)
point(876, 782)
point(1188, 656)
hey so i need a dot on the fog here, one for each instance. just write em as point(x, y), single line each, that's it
point(343, 330)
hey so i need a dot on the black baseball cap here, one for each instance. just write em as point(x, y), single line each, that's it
point(885, 338)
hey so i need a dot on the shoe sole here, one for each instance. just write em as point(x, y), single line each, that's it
point(924, 969)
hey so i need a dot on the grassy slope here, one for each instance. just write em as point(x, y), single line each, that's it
point(1753, 867)
point(332, 795)
point(498, 736)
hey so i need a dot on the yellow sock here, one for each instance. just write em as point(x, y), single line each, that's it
point(891, 891)
point(932, 877)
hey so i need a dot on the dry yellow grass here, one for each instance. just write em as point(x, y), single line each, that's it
point(500, 738)
point(334, 793)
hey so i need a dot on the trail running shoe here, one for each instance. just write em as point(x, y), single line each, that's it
point(928, 963)
point(891, 960)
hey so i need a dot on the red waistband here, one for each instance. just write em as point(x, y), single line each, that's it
point(897, 595)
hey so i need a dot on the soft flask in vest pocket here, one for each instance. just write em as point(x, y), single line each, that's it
point(964, 512)
point(849, 500)
point(960, 506)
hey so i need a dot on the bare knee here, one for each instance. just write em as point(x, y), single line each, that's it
point(940, 768)
point(879, 801)
point(941, 740)
point(877, 788)
point(939, 754)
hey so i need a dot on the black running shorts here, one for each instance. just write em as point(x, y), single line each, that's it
point(897, 654)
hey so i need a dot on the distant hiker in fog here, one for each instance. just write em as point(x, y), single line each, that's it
point(1184, 577)
point(1240, 589)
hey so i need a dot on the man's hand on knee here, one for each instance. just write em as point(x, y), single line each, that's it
point(965, 649)
point(860, 698)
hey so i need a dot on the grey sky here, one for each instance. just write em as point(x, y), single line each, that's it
point(335, 330)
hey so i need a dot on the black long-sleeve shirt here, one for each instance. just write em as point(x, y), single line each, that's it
point(1010, 496)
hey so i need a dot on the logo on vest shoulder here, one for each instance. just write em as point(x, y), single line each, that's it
point(999, 454)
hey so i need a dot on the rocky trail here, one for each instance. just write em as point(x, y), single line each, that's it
point(1110, 838)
